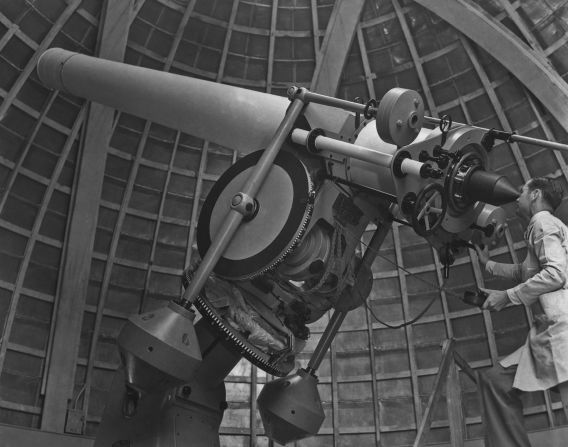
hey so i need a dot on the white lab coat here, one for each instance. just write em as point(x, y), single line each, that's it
point(543, 359)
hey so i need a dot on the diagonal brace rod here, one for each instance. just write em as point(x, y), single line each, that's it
point(233, 219)
point(338, 316)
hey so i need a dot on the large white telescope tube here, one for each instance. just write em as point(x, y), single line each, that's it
point(233, 117)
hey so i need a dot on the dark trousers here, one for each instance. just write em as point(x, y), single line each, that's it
point(502, 408)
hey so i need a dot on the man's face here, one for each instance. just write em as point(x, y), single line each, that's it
point(524, 201)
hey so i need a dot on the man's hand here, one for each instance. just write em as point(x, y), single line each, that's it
point(496, 299)
point(482, 254)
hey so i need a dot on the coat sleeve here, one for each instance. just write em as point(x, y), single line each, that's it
point(511, 271)
point(546, 239)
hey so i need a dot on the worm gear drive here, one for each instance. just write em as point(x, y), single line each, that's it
point(282, 211)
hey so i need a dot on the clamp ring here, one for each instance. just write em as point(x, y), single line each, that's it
point(369, 113)
point(397, 163)
point(445, 123)
point(245, 204)
point(311, 140)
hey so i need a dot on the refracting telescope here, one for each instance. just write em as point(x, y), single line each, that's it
point(279, 235)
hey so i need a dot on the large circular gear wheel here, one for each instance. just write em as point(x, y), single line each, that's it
point(240, 343)
point(271, 364)
point(285, 204)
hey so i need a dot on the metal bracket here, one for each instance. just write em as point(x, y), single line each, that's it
point(244, 204)
point(489, 138)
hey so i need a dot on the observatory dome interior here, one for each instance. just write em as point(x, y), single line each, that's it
point(99, 208)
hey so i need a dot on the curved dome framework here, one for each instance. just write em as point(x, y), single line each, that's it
point(98, 209)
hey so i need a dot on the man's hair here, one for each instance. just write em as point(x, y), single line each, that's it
point(551, 190)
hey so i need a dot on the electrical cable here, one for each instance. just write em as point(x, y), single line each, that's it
point(421, 313)
point(406, 323)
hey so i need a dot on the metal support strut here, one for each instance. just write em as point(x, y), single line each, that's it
point(338, 316)
point(369, 109)
point(509, 137)
point(448, 374)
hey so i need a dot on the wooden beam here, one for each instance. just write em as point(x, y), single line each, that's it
point(549, 136)
point(511, 12)
point(105, 282)
point(506, 48)
point(34, 233)
point(110, 260)
point(179, 34)
point(229, 32)
point(159, 218)
point(441, 377)
point(115, 23)
point(373, 360)
point(408, 328)
point(503, 121)
point(315, 28)
point(468, 370)
point(336, 44)
point(334, 393)
point(415, 58)
point(478, 275)
point(253, 405)
point(455, 408)
point(369, 75)
point(12, 28)
point(271, 42)
point(25, 437)
point(23, 152)
point(556, 45)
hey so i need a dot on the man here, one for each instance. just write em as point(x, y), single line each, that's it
point(542, 362)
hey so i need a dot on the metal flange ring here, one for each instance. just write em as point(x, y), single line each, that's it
point(370, 110)
point(311, 140)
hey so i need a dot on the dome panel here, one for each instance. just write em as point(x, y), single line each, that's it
point(256, 14)
point(34, 24)
point(218, 9)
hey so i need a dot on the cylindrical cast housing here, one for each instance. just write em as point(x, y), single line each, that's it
point(412, 167)
point(233, 117)
point(341, 147)
point(373, 176)
point(489, 187)
point(229, 116)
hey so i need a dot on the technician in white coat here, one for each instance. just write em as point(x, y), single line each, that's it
point(542, 362)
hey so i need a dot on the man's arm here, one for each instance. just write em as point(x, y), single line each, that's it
point(546, 238)
point(511, 271)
